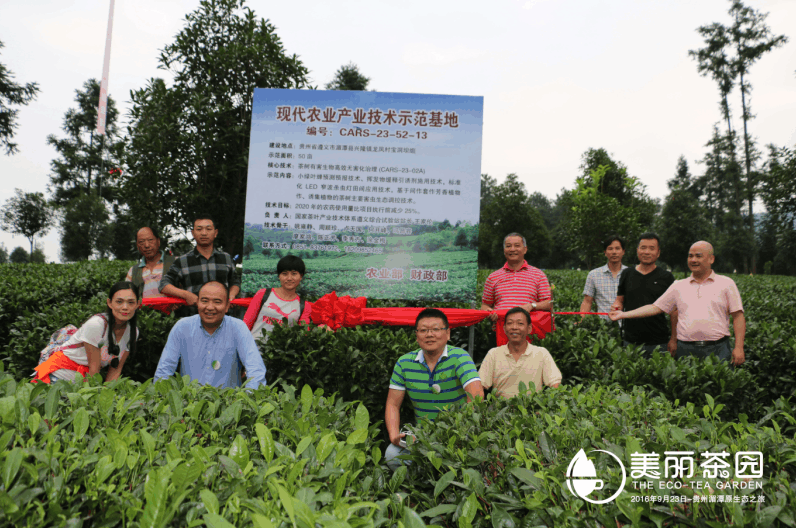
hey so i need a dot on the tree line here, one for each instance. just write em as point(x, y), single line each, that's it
point(184, 149)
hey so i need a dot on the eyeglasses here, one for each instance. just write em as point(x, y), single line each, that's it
point(426, 331)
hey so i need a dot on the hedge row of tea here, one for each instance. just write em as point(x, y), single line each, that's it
point(182, 447)
point(35, 300)
point(177, 454)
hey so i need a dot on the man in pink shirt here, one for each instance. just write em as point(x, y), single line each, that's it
point(705, 302)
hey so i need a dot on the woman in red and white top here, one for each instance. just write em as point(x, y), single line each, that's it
point(105, 340)
point(272, 306)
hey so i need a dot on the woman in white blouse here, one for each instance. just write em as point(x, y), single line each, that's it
point(104, 340)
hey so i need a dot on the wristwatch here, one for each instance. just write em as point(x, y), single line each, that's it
point(533, 306)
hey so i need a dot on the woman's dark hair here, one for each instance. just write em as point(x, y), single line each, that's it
point(119, 286)
point(291, 263)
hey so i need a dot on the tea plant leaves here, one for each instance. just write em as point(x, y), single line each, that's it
point(156, 498)
point(210, 501)
point(11, 466)
point(266, 440)
point(443, 482)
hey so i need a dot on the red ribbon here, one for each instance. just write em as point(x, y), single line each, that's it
point(337, 312)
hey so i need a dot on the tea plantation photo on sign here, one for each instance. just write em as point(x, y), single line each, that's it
point(308, 450)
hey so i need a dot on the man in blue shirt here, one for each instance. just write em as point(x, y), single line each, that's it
point(211, 345)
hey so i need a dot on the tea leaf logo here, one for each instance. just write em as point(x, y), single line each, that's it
point(582, 477)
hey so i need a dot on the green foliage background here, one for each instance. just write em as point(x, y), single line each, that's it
point(174, 454)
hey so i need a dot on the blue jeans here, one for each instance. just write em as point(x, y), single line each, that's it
point(720, 350)
point(391, 456)
point(646, 350)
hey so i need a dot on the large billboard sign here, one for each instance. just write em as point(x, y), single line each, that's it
point(377, 192)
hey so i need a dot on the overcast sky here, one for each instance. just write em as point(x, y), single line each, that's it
point(557, 76)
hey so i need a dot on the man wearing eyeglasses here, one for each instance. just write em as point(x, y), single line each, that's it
point(434, 377)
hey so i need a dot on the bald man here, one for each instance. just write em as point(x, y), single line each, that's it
point(705, 302)
point(154, 263)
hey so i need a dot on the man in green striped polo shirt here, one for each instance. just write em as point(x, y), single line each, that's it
point(435, 376)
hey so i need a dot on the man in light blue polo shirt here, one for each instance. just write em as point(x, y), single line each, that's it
point(601, 283)
point(212, 346)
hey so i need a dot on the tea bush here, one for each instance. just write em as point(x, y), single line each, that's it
point(177, 454)
point(505, 462)
point(174, 453)
point(35, 300)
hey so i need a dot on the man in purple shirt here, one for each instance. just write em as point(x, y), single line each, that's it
point(705, 302)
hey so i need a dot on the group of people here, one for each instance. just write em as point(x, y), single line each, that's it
point(700, 307)
point(217, 349)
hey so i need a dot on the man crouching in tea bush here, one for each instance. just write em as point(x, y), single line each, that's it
point(211, 346)
point(434, 376)
point(518, 361)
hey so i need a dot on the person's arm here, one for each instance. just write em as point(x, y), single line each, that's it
point(488, 299)
point(170, 357)
point(487, 370)
point(474, 390)
point(551, 375)
point(545, 295)
point(644, 311)
point(672, 345)
point(250, 357)
point(129, 276)
point(468, 377)
point(585, 306)
point(618, 304)
point(392, 415)
point(168, 285)
point(173, 291)
point(233, 292)
point(93, 356)
point(739, 327)
point(541, 306)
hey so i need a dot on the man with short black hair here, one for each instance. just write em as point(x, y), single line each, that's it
point(153, 265)
point(201, 265)
point(517, 283)
point(434, 377)
point(705, 302)
point(643, 285)
point(518, 361)
point(212, 347)
point(601, 282)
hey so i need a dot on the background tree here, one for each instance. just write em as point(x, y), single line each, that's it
point(19, 256)
point(26, 214)
point(348, 77)
point(3, 253)
point(595, 214)
point(683, 220)
point(38, 256)
point(751, 39)
point(613, 181)
point(189, 142)
point(779, 197)
point(508, 209)
point(727, 57)
point(12, 94)
point(85, 160)
point(85, 230)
